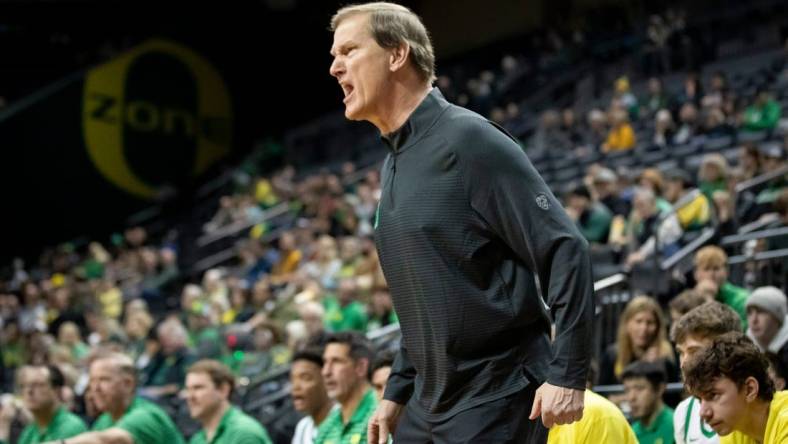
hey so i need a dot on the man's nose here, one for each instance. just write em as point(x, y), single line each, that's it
point(336, 68)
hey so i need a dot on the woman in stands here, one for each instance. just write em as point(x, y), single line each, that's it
point(642, 335)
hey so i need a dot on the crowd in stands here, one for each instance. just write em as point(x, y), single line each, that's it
point(116, 332)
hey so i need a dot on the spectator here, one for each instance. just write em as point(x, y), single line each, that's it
point(69, 337)
point(570, 127)
point(651, 230)
point(381, 369)
point(42, 392)
point(749, 161)
point(772, 159)
point(347, 358)
point(657, 99)
point(692, 91)
point(763, 114)
point(683, 303)
point(165, 373)
point(597, 129)
point(309, 394)
point(624, 99)
point(382, 310)
point(664, 128)
point(621, 136)
point(711, 277)
point(778, 372)
point(693, 332)
point(767, 312)
point(313, 314)
point(696, 213)
point(606, 189)
point(689, 124)
point(651, 178)
point(737, 396)
point(644, 385)
point(209, 385)
point(718, 91)
point(125, 418)
point(642, 335)
point(592, 218)
point(715, 124)
point(345, 312)
point(289, 258)
point(713, 174)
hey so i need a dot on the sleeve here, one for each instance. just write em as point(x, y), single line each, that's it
point(515, 203)
point(399, 386)
point(141, 425)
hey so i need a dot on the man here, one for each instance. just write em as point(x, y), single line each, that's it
point(463, 226)
point(652, 233)
point(691, 333)
point(41, 387)
point(164, 374)
point(593, 219)
point(711, 276)
point(309, 394)
point(767, 312)
point(737, 397)
point(763, 114)
point(644, 385)
point(381, 370)
point(346, 360)
point(696, 213)
point(345, 312)
point(209, 385)
point(125, 418)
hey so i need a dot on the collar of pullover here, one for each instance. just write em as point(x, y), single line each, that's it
point(422, 118)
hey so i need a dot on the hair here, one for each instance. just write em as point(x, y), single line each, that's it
point(218, 372)
point(392, 25)
point(777, 364)
point(625, 352)
point(123, 363)
point(717, 160)
point(686, 301)
point(654, 176)
point(360, 347)
point(709, 320)
point(709, 256)
point(311, 354)
point(384, 358)
point(56, 378)
point(733, 356)
point(654, 372)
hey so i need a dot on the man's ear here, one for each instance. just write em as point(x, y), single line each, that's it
point(398, 56)
point(362, 368)
point(751, 389)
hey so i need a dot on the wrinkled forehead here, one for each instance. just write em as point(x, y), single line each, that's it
point(352, 29)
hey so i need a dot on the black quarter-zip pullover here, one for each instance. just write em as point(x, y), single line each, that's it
point(464, 226)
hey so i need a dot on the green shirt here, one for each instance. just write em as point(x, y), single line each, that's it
point(658, 432)
point(236, 427)
point(762, 118)
point(352, 316)
point(596, 226)
point(63, 425)
point(735, 298)
point(333, 431)
point(146, 422)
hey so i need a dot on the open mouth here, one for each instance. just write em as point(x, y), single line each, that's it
point(347, 89)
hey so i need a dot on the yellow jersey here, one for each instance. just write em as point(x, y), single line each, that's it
point(602, 422)
point(776, 426)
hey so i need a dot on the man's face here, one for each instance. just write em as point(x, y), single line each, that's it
point(37, 391)
point(673, 190)
point(361, 67)
point(690, 346)
point(643, 398)
point(379, 379)
point(203, 396)
point(764, 325)
point(341, 373)
point(717, 273)
point(724, 406)
point(109, 386)
point(308, 390)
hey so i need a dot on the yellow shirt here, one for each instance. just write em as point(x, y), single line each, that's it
point(602, 422)
point(620, 138)
point(695, 214)
point(776, 426)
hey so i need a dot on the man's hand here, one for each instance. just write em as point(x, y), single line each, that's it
point(383, 422)
point(557, 405)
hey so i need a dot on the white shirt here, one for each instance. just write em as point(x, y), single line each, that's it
point(688, 427)
point(305, 432)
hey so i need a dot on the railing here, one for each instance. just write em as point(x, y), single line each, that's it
point(759, 180)
point(612, 295)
